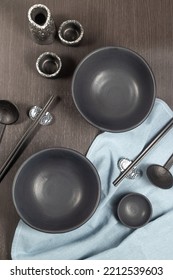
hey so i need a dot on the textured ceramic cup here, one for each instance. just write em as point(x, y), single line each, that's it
point(70, 32)
point(48, 65)
point(41, 24)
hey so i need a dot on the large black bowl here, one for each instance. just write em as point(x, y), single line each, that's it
point(56, 190)
point(114, 89)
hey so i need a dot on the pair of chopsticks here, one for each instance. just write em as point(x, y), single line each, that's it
point(13, 155)
point(155, 140)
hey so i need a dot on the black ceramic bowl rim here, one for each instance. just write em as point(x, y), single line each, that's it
point(127, 196)
point(75, 22)
point(103, 128)
point(80, 155)
point(54, 57)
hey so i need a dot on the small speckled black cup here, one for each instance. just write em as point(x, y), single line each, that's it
point(48, 65)
point(71, 32)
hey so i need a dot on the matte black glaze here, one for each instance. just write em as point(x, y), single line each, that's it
point(56, 190)
point(8, 112)
point(114, 89)
point(134, 210)
point(160, 175)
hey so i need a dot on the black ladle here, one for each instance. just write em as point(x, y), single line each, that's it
point(160, 175)
point(8, 114)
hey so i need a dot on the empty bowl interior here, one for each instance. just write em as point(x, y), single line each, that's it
point(114, 89)
point(134, 210)
point(56, 190)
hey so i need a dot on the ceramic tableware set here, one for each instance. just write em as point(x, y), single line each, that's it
point(57, 190)
point(44, 31)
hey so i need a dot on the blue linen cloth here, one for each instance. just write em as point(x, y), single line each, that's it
point(103, 236)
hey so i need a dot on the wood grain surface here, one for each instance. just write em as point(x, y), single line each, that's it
point(144, 26)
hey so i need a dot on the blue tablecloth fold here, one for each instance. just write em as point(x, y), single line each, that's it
point(103, 236)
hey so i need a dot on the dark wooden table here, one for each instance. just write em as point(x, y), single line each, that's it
point(144, 26)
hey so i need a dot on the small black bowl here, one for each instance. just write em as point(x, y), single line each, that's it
point(48, 65)
point(70, 32)
point(134, 210)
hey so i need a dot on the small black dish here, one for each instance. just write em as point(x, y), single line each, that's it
point(70, 32)
point(48, 65)
point(134, 210)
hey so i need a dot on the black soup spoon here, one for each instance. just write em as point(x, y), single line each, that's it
point(8, 114)
point(160, 176)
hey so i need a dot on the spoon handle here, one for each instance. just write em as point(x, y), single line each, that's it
point(12, 156)
point(169, 162)
point(2, 128)
point(146, 149)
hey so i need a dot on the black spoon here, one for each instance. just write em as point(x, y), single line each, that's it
point(160, 175)
point(8, 114)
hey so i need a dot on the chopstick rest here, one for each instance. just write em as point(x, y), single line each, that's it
point(34, 112)
point(154, 141)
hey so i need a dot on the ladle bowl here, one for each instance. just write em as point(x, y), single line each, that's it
point(9, 114)
point(160, 176)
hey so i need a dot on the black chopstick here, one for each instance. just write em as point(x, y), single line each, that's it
point(161, 133)
point(13, 155)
